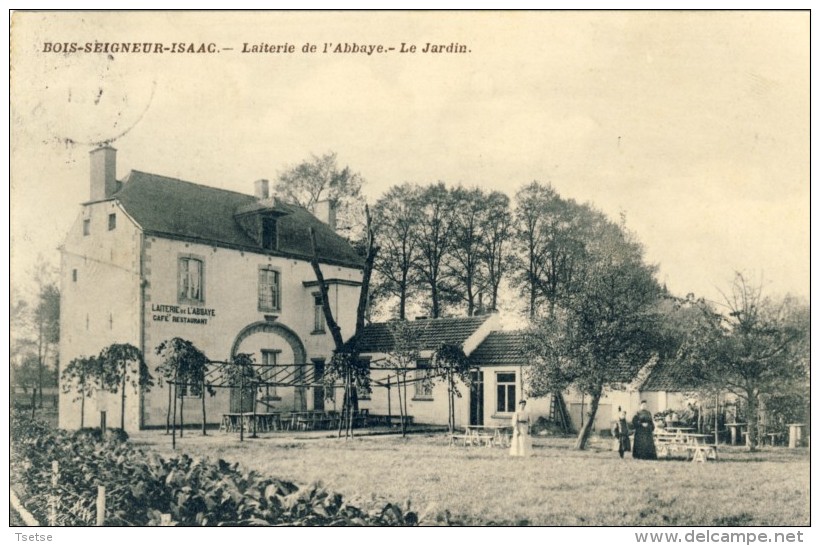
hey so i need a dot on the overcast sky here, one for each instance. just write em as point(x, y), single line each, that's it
point(695, 125)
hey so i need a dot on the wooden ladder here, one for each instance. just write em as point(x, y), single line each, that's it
point(559, 413)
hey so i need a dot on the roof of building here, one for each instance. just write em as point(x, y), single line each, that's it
point(500, 348)
point(428, 334)
point(668, 375)
point(174, 208)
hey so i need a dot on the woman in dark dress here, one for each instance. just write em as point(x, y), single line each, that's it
point(621, 433)
point(644, 447)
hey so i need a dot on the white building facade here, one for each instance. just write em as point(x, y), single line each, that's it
point(151, 258)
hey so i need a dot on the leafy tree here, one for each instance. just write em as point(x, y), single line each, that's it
point(47, 320)
point(122, 365)
point(395, 220)
point(452, 365)
point(183, 364)
point(241, 373)
point(434, 238)
point(605, 330)
point(400, 359)
point(320, 178)
point(758, 349)
point(83, 375)
point(25, 374)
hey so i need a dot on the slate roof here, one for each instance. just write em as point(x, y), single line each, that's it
point(500, 348)
point(508, 348)
point(378, 338)
point(174, 208)
point(668, 375)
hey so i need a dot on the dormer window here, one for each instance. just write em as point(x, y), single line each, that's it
point(268, 233)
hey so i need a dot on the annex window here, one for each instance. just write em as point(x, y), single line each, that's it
point(112, 221)
point(269, 233)
point(87, 226)
point(269, 289)
point(423, 382)
point(505, 392)
point(318, 315)
point(191, 280)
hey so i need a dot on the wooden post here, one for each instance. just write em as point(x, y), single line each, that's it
point(100, 505)
point(102, 423)
point(52, 509)
point(241, 403)
point(388, 399)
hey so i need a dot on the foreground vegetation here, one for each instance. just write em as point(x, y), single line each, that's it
point(147, 489)
point(558, 486)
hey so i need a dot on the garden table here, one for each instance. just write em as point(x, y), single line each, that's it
point(488, 435)
point(698, 448)
point(795, 434)
point(735, 430)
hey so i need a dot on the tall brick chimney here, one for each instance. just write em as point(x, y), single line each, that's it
point(103, 172)
point(326, 212)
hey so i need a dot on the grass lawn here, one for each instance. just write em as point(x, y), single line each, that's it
point(557, 486)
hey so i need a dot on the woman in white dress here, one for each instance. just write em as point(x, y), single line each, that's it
point(521, 443)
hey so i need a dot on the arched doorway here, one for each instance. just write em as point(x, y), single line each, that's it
point(274, 344)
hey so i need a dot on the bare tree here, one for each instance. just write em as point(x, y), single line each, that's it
point(468, 269)
point(320, 178)
point(395, 219)
point(495, 246)
point(434, 238)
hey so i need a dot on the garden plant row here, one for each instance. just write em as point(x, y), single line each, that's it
point(142, 487)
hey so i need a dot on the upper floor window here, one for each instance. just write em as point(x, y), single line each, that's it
point(269, 233)
point(269, 289)
point(112, 221)
point(423, 381)
point(191, 280)
point(86, 226)
point(318, 314)
point(505, 392)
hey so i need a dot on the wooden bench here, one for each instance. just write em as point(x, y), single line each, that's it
point(666, 444)
point(701, 453)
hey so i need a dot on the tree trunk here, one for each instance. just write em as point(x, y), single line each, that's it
point(174, 421)
point(752, 406)
point(182, 413)
point(82, 409)
point(204, 417)
point(586, 429)
point(404, 419)
point(402, 303)
point(434, 294)
point(168, 412)
point(122, 401)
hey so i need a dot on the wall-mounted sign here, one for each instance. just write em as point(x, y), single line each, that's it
point(181, 313)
